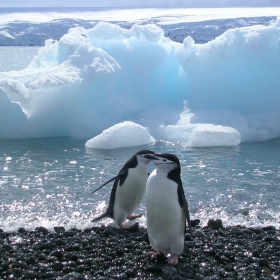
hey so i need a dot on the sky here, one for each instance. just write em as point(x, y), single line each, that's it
point(140, 3)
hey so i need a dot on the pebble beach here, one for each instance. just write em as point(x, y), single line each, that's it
point(211, 252)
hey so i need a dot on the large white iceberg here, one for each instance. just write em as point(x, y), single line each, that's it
point(92, 79)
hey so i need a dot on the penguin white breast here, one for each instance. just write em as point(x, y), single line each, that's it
point(165, 217)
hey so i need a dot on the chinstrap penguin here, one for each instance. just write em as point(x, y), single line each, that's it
point(166, 208)
point(128, 189)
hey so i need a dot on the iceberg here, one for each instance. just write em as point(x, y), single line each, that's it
point(222, 92)
point(125, 134)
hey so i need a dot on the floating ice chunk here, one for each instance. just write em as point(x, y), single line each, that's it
point(214, 135)
point(125, 134)
point(192, 134)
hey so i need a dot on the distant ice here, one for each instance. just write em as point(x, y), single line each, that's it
point(218, 93)
point(125, 134)
point(35, 26)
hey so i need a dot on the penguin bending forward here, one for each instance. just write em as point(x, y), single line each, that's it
point(128, 189)
point(166, 208)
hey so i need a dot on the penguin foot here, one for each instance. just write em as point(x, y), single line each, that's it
point(122, 226)
point(173, 260)
point(134, 216)
point(134, 227)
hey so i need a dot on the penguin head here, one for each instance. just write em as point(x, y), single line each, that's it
point(145, 156)
point(167, 162)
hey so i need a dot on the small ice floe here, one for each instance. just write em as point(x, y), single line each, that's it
point(125, 134)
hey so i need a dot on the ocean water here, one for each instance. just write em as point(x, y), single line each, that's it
point(47, 181)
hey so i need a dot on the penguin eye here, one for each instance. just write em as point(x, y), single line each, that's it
point(164, 160)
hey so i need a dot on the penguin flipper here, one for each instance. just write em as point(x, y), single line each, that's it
point(112, 179)
point(184, 204)
point(187, 213)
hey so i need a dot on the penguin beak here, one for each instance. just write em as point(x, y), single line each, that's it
point(150, 157)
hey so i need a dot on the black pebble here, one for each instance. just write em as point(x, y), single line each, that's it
point(42, 229)
point(57, 253)
point(108, 231)
point(59, 229)
point(69, 233)
point(195, 222)
point(57, 266)
point(215, 224)
point(154, 269)
point(264, 262)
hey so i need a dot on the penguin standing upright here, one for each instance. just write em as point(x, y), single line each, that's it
point(166, 208)
point(128, 189)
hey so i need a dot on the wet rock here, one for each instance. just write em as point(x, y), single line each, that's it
point(3, 235)
point(49, 245)
point(81, 268)
point(268, 228)
point(20, 264)
point(52, 259)
point(69, 233)
point(198, 233)
point(5, 266)
point(154, 269)
point(41, 257)
point(71, 276)
point(236, 231)
point(215, 224)
point(268, 239)
point(168, 272)
point(30, 260)
point(195, 222)
point(130, 273)
point(50, 275)
point(254, 254)
point(57, 253)
point(76, 247)
point(59, 229)
point(38, 246)
point(264, 262)
point(120, 251)
point(30, 274)
point(57, 266)
point(7, 247)
point(22, 230)
point(108, 231)
point(11, 277)
point(188, 237)
point(60, 242)
point(42, 229)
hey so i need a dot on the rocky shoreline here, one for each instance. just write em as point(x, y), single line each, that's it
point(104, 253)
